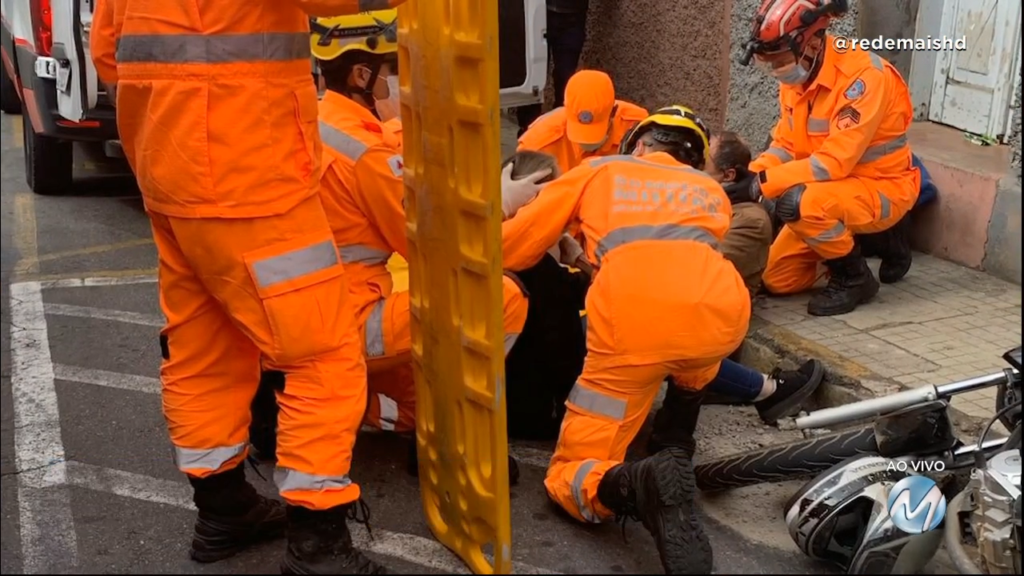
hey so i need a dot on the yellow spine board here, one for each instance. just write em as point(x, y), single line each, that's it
point(448, 57)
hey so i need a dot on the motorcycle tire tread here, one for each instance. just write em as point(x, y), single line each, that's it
point(782, 462)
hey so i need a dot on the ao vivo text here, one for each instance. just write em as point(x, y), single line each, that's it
point(916, 466)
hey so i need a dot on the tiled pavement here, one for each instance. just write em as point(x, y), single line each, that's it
point(940, 324)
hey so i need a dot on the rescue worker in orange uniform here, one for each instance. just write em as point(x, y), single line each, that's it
point(592, 122)
point(218, 119)
point(839, 163)
point(663, 303)
point(363, 194)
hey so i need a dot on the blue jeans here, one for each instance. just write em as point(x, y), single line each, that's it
point(737, 381)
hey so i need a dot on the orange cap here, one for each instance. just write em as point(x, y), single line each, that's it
point(589, 100)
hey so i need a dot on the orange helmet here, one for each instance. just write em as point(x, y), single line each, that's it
point(787, 25)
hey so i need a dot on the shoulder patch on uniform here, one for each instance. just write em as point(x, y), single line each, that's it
point(856, 90)
point(848, 117)
point(397, 165)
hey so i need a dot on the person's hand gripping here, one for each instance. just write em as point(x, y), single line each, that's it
point(518, 193)
point(570, 250)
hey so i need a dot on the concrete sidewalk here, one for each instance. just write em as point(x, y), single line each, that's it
point(940, 324)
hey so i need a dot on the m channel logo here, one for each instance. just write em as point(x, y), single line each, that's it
point(916, 505)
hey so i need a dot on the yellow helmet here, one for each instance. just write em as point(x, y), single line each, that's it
point(375, 32)
point(671, 118)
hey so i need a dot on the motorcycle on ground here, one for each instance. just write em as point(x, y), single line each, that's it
point(910, 424)
point(842, 515)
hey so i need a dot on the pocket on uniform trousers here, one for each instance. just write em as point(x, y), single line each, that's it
point(302, 287)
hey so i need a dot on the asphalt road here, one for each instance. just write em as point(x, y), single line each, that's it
point(87, 480)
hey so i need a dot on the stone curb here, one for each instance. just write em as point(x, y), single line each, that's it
point(769, 345)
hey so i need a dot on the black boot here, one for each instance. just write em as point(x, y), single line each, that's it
point(319, 542)
point(792, 387)
point(263, 429)
point(232, 516)
point(412, 465)
point(850, 284)
point(658, 491)
point(868, 244)
point(676, 421)
point(895, 252)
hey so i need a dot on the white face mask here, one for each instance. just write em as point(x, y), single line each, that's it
point(388, 108)
point(792, 74)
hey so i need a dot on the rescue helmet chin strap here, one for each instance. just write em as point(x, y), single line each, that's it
point(375, 64)
point(811, 58)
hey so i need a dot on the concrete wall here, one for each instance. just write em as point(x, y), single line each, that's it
point(890, 19)
point(1015, 133)
point(1003, 249)
point(662, 52)
point(674, 57)
point(753, 97)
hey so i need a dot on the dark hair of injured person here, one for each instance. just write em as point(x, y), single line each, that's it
point(526, 162)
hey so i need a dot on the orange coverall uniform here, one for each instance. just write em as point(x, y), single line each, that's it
point(217, 115)
point(664, 301)
point(363, 194)
point(394, 126)
point(839, 164)
point(547, 134)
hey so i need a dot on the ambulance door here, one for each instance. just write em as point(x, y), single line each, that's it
point(522, 51)
point(77, 85)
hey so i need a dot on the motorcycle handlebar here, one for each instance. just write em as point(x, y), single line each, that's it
point(874, 407)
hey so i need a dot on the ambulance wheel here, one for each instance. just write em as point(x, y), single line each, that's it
point(49, 163)
point(10, 102)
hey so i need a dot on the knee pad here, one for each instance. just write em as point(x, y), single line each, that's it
point(788, 206)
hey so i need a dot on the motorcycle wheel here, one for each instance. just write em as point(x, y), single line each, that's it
point(790, 461)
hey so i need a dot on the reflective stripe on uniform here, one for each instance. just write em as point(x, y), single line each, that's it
point(375, 331)
point(361, 254)
point(342, 143)
point(597, 403)
point(876, 61)
point(289, 480)
point(388, 413)
point(818, 170)
point(779, 153)
point(629, 234)
point(510, 341)
point(829, 235)
point(817, 125)
point(212, 48)
point(879, 151)
point(295, 264)
point(885, 211)
point(577, 491)
point(206, 458)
